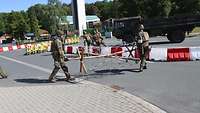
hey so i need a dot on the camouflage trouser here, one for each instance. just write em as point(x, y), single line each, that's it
point(57, 64)
point(143, 51)
point(2, 73)
point(87, 43)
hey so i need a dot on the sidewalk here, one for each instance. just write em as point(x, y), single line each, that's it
point(82, 97)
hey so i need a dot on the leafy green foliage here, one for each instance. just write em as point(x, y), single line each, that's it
point(182, 7)
point(16, 24)
point(47, 16)
point(91, 9)
point(156, 8)
point(2, 22)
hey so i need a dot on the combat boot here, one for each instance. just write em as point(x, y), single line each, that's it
point(3, 74)
point(51, 80)
point(68, 77)
point(140, 68)
point(144, 67)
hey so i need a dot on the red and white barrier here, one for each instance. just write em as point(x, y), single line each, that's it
point(14, 47)
point(11, 48)
point(5, 49)
point(158, 54)
point(105, 50)
point(1, 50)
point(178, 54)
point(21, 46)
point(126, 53)
point(195, 53)
point(170, 54)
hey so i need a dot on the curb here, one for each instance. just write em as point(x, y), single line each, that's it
point(35, 96)
point(153, 108)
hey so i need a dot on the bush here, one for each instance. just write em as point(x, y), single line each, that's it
point(90, 30)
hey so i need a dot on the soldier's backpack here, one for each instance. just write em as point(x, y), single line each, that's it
point(3, 74)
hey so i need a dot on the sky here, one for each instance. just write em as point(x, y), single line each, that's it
point(18, 5)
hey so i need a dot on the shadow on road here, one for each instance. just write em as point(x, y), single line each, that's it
point(115, 71)
point(163, 42)
point(49, 54)
point(32, 80)
point(43, 81)
point(106, 72)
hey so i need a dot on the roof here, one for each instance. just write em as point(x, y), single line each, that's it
point(89, 18)
point(30, 34)
point(42, 31)
point(5, 36)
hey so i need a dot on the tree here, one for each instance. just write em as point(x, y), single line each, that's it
point(91, 9)
point(129, 8)
point(145, 8)
point(183, 7)
point(104, 10)
point(2, 25)
point(33, 22)
point(155, 8)
point(53, 20)
point(116, 9)
point(2, 22)
point(40, 11)
point(16, 25)
point(66, 9)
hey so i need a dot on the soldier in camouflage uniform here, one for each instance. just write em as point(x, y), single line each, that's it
point(2, 73)
point(143, 44)
point(98, 38)
point(87, 40)
point(58, 56)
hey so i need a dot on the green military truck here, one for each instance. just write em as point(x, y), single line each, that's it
point(175, 27)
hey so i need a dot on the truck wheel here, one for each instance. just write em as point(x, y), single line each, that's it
point(176, 36)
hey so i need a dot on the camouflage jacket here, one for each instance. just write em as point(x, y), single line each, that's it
point(57, 49)
point(144, 36)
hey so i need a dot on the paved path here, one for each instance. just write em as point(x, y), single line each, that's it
point(84, 97)
point(80, 97)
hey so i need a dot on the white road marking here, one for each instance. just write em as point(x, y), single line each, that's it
point(29, 65)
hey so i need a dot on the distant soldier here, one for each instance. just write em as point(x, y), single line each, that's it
point(87, 40)
point(143, 44)
point(98, 38)
point(58, 56)
point(2, 73)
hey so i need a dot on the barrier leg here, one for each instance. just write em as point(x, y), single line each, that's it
point(82, 65)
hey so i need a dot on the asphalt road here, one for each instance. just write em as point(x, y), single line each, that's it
point(173, 86)
point(163, 42)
